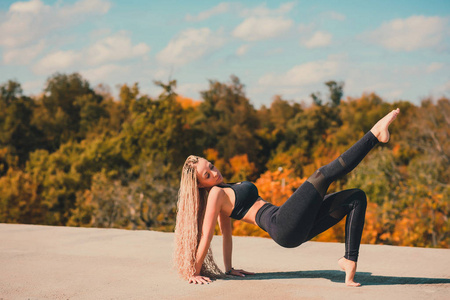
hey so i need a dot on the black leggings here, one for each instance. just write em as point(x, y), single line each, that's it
point(309, 211)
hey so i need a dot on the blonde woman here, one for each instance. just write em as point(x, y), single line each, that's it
point(205, 199)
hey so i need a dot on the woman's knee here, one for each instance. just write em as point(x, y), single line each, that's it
point(360, 196)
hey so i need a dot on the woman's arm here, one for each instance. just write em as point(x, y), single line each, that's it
point(213, 206)
point(225, 227)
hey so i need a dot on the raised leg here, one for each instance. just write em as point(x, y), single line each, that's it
point(345, 163)
point(324, 176)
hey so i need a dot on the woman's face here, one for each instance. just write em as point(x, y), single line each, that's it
point(207, 174)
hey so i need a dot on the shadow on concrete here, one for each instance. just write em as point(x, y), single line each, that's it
point(365, 278)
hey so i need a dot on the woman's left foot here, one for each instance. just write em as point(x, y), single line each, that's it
point(380, 129)
point(349, 267)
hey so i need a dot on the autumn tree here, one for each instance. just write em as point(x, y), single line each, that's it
point(76, 156)
point(228, 121)
point(67, 110)
point(156, 130)
point(17, 133)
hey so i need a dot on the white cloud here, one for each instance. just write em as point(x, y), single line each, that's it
point(162, 73)
point(85, 7)
point(375, 86)
point(191, 90)
point(28, 22)
point(102, 72)
point(99, 33)
point(383, 79)
point(23, 24)
point(23, 56)
point(334, 16)
point(263, 11)
point(114, 48)
point(446, 87)
point(242, 49)
point(32, 6)
point(261, 28)
point(318, 39)
point(33, 87)
point(190, 45)
point(225, 7)
point(274, 51)
point(306, 28)
point(388, 81)
point(304, 74)
point(443, 89)
point(434, 67)
point(409, 34)
point(262, 23)
point(394, 94)
point(117, 47)
point(57, 61)
point(204, 15)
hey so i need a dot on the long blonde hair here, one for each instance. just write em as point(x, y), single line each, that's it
point(190, 213)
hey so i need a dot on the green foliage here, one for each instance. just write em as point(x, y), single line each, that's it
point(228, 121)
point(69, 108)
point(16, 131)
point(147, 202)
point(155, 131)
point(20, 201)
point(378, 176)
point(76, 156)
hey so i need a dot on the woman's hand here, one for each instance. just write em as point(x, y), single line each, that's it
point(199, 279)
point(241, 273)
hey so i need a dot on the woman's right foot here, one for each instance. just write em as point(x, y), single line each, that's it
point(380, 129)
point(349, 267)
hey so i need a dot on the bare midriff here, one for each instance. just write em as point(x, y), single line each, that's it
point(251, 213)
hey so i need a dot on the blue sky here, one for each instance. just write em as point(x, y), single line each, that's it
point(397, 49)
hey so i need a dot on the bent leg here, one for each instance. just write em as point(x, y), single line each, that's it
point(351, 203)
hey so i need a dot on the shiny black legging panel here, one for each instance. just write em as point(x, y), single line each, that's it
point(309, 211)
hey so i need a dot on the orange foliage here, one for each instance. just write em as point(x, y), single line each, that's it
point(241, 167)
point(372, 228)
point(396, 150)
point(245, 229)
point(277, 186)
point(425, 220)
point(323, 154)
point(187, 102)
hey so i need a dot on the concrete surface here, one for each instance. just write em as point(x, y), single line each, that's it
point(49, 262)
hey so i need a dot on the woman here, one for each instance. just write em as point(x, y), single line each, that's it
point(204, 198)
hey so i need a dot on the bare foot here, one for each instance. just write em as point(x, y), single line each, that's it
point(349, 267)
point(380, 129)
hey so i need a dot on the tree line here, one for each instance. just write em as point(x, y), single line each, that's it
point(76, 156)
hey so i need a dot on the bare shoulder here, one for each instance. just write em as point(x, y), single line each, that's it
point(216, 197)
point(216, 193)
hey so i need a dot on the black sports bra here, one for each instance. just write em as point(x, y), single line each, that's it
point(246, 195)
